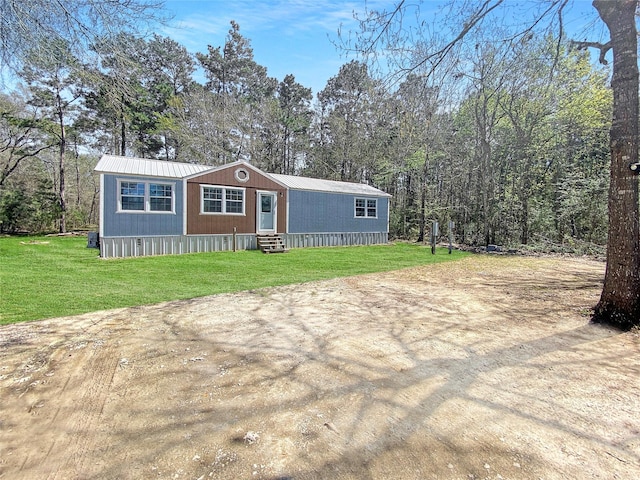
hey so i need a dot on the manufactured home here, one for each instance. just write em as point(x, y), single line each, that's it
point(155, 207)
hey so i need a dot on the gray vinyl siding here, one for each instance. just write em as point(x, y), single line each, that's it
point(118, 224)
point(316, 212)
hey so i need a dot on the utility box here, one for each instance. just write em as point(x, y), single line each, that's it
point(93, 240)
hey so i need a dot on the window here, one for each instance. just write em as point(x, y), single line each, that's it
point(242, 175)
point(234, 201)
point(131, 196)
point(145, 197)
point(223, 200)
point(366, 208)
point(211, 200)
point(372, 208)
point(160, 198)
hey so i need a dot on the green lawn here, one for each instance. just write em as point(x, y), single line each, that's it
point(44, 277)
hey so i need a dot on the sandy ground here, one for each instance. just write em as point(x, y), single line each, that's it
point(485, 368)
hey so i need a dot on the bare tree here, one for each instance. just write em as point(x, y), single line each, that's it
point(410, 43)
point(20, 136)
point(26, 23)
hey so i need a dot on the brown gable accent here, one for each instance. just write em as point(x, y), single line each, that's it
point(227, 176)
point(231, 176)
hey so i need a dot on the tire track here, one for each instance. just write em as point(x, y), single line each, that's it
point(83, 425)
point(82, 372)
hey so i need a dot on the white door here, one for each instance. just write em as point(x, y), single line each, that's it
point(267, 205)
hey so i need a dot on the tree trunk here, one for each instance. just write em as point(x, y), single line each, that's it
point(423, 198)
point(61, 190)
point(123, 131)
point(619, 304)
point(407, 210)
point(524, 205)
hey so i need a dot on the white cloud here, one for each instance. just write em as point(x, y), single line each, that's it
point(288, 36)
point(288, 17)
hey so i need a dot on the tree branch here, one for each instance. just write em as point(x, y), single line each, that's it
point(603, 47)
point(481, 13)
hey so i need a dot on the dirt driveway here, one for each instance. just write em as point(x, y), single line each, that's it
point(483, 368)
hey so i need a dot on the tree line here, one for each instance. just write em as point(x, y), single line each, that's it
point(484, 124)
point(510, 141)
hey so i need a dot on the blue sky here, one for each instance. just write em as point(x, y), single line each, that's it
point(294, 36)
point(287, 36)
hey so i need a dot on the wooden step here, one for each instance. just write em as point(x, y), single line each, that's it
point(271, 244)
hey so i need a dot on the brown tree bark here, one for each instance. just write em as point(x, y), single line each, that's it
point(62, 200)
point(619, 304)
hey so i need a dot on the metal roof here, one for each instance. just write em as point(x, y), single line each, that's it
point(161, 168)
point(148, 167)
point(332, 186)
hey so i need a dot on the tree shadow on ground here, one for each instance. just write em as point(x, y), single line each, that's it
point(357, 379)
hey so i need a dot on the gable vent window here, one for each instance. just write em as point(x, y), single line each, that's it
point(241, 175)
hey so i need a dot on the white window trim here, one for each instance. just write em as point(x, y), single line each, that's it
point(366, 209)
point(147, 197)
point(224, 189)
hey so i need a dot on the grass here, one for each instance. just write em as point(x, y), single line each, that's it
point(45, 277)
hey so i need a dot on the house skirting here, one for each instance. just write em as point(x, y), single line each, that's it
point(303, 240)
point(118, 247)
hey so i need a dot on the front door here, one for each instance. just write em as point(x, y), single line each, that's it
point(266, 221)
